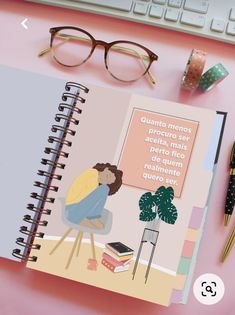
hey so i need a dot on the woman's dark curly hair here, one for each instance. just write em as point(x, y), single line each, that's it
point(114, 187)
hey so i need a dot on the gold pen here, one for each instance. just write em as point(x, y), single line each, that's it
point(229, 245)
point(230, 198)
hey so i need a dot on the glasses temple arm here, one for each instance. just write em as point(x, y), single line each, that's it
point(64, 36)
point(47, 50)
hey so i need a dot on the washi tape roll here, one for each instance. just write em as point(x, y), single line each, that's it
point(193, 71)
point(212, 77)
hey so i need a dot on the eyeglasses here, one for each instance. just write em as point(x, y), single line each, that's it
point(126, 61)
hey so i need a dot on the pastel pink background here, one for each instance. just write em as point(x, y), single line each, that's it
point(26, 292)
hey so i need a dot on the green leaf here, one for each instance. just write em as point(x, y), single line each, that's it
point(163, 195)
point(167, 213)
point(146, 202)
point(147, 215)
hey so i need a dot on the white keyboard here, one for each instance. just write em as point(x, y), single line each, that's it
point(208, 18)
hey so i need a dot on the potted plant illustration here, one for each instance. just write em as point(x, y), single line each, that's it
point(154, 208)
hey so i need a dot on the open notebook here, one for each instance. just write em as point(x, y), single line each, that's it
point(121, 196)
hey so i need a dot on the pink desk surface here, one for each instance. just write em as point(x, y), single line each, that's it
point(27, 292)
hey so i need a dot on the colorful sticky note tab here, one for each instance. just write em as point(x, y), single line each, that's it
point(184, 266)
point(176, 296)
point(196, 218)
point(188, 249)
point(192, 235)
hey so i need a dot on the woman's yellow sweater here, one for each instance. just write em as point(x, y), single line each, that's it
point(82, 186)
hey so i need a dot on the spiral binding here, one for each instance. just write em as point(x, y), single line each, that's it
point(68, 109)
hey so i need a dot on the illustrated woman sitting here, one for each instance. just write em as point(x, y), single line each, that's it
point(87, 195)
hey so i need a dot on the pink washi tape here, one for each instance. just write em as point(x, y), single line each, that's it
point(194, 68)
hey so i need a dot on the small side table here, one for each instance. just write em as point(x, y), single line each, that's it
point(145, 239)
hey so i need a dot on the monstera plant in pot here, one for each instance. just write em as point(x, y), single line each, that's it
point(157, 207)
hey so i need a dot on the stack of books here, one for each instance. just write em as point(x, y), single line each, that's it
point(117, 257)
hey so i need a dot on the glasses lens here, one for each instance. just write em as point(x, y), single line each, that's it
point(71, 47)
point(127, 62)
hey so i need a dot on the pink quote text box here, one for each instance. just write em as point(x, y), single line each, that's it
point(157, 151)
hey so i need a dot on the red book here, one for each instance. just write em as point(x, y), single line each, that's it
point(116, 257)
point(113, 261)
point(113, 268)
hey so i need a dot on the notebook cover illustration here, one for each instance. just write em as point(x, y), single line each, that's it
point(134, 174)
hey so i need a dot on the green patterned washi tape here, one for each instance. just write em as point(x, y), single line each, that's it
point(212, 77)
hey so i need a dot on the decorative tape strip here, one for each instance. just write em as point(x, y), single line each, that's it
point(193, 70)
point(212, 77)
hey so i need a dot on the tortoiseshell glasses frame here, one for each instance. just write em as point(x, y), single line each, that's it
point(69, 42)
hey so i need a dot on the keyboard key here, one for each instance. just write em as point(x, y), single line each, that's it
point(200, 6)
point(159, 1)
point(232, 14)
point(175, 3)
point(172, 15)
point(230, 28)
point(141, 8)
point(192, 19)
point(111, 4)
point(217, 25)
point(156, 11)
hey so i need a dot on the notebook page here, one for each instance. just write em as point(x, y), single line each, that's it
point(105, 125)
point(26, 117)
